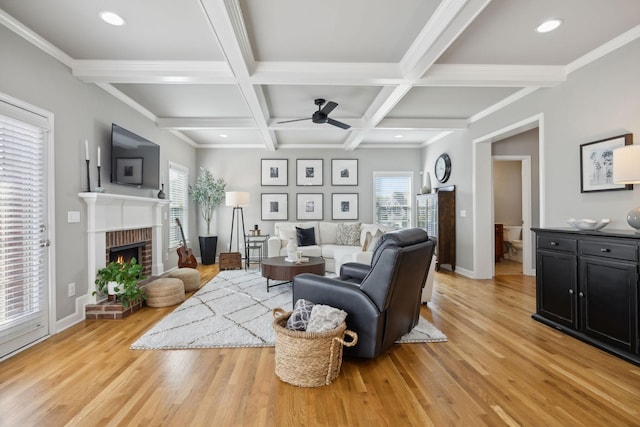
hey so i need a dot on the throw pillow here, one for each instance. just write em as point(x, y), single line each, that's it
point(325, 318)
point(348, 234)
point(300, 316)
point(367, 240)
point(285, 234)
point(374, 241)
point(305, 236)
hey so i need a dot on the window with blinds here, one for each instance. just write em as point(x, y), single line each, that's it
point(179, 203)
point(393, 200)
point(23, 217)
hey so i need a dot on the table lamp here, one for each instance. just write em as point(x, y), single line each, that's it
point(626, 170)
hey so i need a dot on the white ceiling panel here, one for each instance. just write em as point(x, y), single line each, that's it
point(188, 100)
point(154, 29)
point(450, 102)
point(298, 101)
point(504, 33)
point(334, 30)
point(420, 68)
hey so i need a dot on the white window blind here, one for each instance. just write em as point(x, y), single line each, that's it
point(179, 203)
point(393, 198)
point(23, 215)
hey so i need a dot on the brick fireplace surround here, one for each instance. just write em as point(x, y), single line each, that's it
point(113, 219)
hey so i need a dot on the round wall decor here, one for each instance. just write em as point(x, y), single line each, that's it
point(443, 168)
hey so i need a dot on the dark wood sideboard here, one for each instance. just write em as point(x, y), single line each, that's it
point(587, 287)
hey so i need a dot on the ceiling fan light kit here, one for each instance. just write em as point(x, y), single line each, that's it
point(322, 115)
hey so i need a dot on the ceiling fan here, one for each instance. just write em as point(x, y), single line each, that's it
point(321, 116)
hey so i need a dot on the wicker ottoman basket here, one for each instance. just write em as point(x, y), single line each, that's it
point(189, 276)
point(308, 359)
point(164, 292)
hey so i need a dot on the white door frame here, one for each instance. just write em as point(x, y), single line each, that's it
point(482, 185)
point(525, 167)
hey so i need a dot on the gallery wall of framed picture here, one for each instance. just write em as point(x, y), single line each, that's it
point(309, 205)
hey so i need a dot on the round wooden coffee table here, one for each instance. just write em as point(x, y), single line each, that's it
point(277, 268)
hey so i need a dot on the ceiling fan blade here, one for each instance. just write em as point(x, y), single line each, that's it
point(294, 120)
point(337, 123)
point(329, 106)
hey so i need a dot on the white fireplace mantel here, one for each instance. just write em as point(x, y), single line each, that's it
point(112, 212)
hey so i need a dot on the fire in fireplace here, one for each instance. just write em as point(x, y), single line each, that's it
point(122, 254)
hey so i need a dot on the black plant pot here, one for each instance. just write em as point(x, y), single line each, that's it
point(208, 245)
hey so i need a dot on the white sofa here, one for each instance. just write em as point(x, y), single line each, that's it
point(326, 237)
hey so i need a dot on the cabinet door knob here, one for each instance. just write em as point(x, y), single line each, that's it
point(605, 250)
point(580, 294)
point(571, 291)
point(553, 243)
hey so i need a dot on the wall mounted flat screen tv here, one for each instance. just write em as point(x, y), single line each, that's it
point(135, 160)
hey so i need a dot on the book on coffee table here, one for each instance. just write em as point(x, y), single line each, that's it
point(303, 259)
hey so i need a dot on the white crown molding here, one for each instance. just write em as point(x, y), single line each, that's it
point(391, 145)
point(605, 49)
point(184, 138)
point(17, 27)
point(493, 75)
point(437, 138)
point(503, 103)
point(214, 72)
point(130, 102)
point(194, 123)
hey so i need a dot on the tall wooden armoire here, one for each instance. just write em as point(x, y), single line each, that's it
point(436, 213)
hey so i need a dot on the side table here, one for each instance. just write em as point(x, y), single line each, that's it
point(257, 244)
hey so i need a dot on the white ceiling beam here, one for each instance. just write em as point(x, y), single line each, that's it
point(333, 73)
point(490, 75)
point(194, 123)
point(449, 20)
point(225, 22)
point(212, 72)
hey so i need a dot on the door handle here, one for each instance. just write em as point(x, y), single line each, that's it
point(605, 250)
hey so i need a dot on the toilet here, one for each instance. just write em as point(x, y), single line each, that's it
point(512, 235)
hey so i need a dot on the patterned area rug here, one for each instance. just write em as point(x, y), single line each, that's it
point(235, 310)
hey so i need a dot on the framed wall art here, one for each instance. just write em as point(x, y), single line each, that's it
point(309, 172)
point(274, 172)
point(596, 164)
point(129, 170)
point(344, 206)
point(274, 206)
point(344, 171)
point(309, 206)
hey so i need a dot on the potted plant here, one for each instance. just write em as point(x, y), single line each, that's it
point(208, 192)
point(121, 280)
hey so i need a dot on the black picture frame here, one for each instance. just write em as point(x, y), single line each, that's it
point(275, 206)
point(309, 206)
point(274, 172)
point(596, 164)
point(344, 206)
point(309, 172)
point(344, 171)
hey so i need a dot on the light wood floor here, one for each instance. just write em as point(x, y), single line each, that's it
point(498, 368)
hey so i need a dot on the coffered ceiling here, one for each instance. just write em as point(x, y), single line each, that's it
point(225, 73)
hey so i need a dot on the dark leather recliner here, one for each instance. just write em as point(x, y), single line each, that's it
point(382, 300)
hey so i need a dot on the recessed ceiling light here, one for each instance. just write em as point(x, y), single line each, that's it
point(111, 18)
point(224, 135)
point(549, 25)
point(399, 136)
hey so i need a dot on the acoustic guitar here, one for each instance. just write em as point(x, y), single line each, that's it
point(185, 256)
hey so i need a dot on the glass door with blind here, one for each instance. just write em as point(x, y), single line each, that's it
point(24, 219)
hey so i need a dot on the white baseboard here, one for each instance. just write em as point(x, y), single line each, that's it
point(76, 317)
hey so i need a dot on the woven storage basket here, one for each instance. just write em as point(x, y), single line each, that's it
point(308, 359)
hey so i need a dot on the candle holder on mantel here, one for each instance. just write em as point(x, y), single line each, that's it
point(99, 188)
point(88, 177)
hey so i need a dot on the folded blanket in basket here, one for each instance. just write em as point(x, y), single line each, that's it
point(310, 317)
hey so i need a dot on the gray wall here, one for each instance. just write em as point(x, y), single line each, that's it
point(507, 192)
point(241, 170)
point(597, 101)
point(80, 111)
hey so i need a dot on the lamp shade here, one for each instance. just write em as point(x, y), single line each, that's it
point(236, 198)
point(626, 165)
